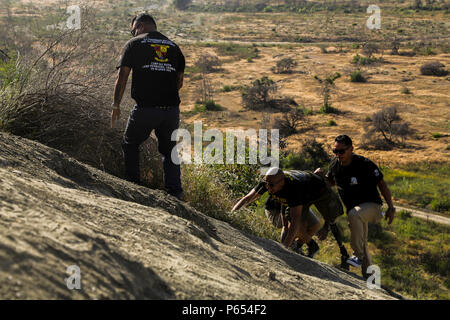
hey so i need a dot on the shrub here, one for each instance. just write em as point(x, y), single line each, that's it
point(256, 96)
point(332, 123)
point(388, 125)
point(285, 65)
point(210, 105)
point(311, 156)
point(182, 4)
point(363, 61)
point(227, 88)
point(207, 63)
point(433, 69)
point(369, 48)
point(441, 204)
point(357, 76)
point(326, 109)
point(59, 100)
point(405, 90)
point(437, 135)
point(289, 122)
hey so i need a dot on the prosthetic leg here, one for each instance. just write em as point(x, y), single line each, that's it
point(344, 254)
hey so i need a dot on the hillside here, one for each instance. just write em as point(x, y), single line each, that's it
point(135, 243)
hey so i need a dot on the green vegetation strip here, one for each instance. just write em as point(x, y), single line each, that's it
point(422, 185)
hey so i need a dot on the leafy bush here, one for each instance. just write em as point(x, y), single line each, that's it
point(311, 157)
point(363, 61)
point(332, 123)
point(326, 109)
point(357, 76)
point(227, 88)
point(257, 96)
point(433, 69)
point(440, 204)
point(285, 65)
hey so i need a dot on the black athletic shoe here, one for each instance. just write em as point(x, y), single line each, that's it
point(313, 248)
point(344, 264)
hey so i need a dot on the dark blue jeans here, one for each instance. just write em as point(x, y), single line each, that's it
point(141, 123)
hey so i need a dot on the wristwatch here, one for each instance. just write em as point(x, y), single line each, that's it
point(114, 107)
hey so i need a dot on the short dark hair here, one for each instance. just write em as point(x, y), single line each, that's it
point(345, 139)
point(144, 18)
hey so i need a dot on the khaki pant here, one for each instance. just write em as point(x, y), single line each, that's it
point(358, 219)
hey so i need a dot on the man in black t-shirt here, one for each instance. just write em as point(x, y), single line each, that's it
point(297, 191)
point(357, 179)
point(158, 67)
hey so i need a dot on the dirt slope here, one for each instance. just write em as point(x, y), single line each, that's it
point(131, 242)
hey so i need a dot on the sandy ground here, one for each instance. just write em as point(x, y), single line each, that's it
point(135, 243)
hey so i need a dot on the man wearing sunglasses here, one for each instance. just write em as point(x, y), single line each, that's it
point(357, 179)
point(296, 191)
point(158, 66)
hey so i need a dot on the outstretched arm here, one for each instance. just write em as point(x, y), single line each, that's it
point(249, 198)
point(296, 226)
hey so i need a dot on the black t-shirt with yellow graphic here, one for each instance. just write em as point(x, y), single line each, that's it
point(155, 61)
point(357, 182)
point(301, 188)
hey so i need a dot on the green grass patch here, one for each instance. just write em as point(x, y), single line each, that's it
point(363, 61)
point(357, 76)
point(423, 185)
point(239, 51)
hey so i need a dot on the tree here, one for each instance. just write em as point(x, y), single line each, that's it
point(327, 85)
point(388, 124)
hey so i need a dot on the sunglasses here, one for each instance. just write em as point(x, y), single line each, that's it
point(339, 151)
point(271, 184)
point(133, 32)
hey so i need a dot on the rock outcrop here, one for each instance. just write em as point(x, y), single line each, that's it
point(131, 242)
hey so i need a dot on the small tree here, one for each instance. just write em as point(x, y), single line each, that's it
point(327, 85)
point(257, 96)
point(388, 124)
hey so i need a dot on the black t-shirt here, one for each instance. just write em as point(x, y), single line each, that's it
point(301, 188)
point(357, 182)
point(155, 61)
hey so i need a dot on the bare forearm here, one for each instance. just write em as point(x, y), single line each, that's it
point(386, 193)
point(119, 90)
